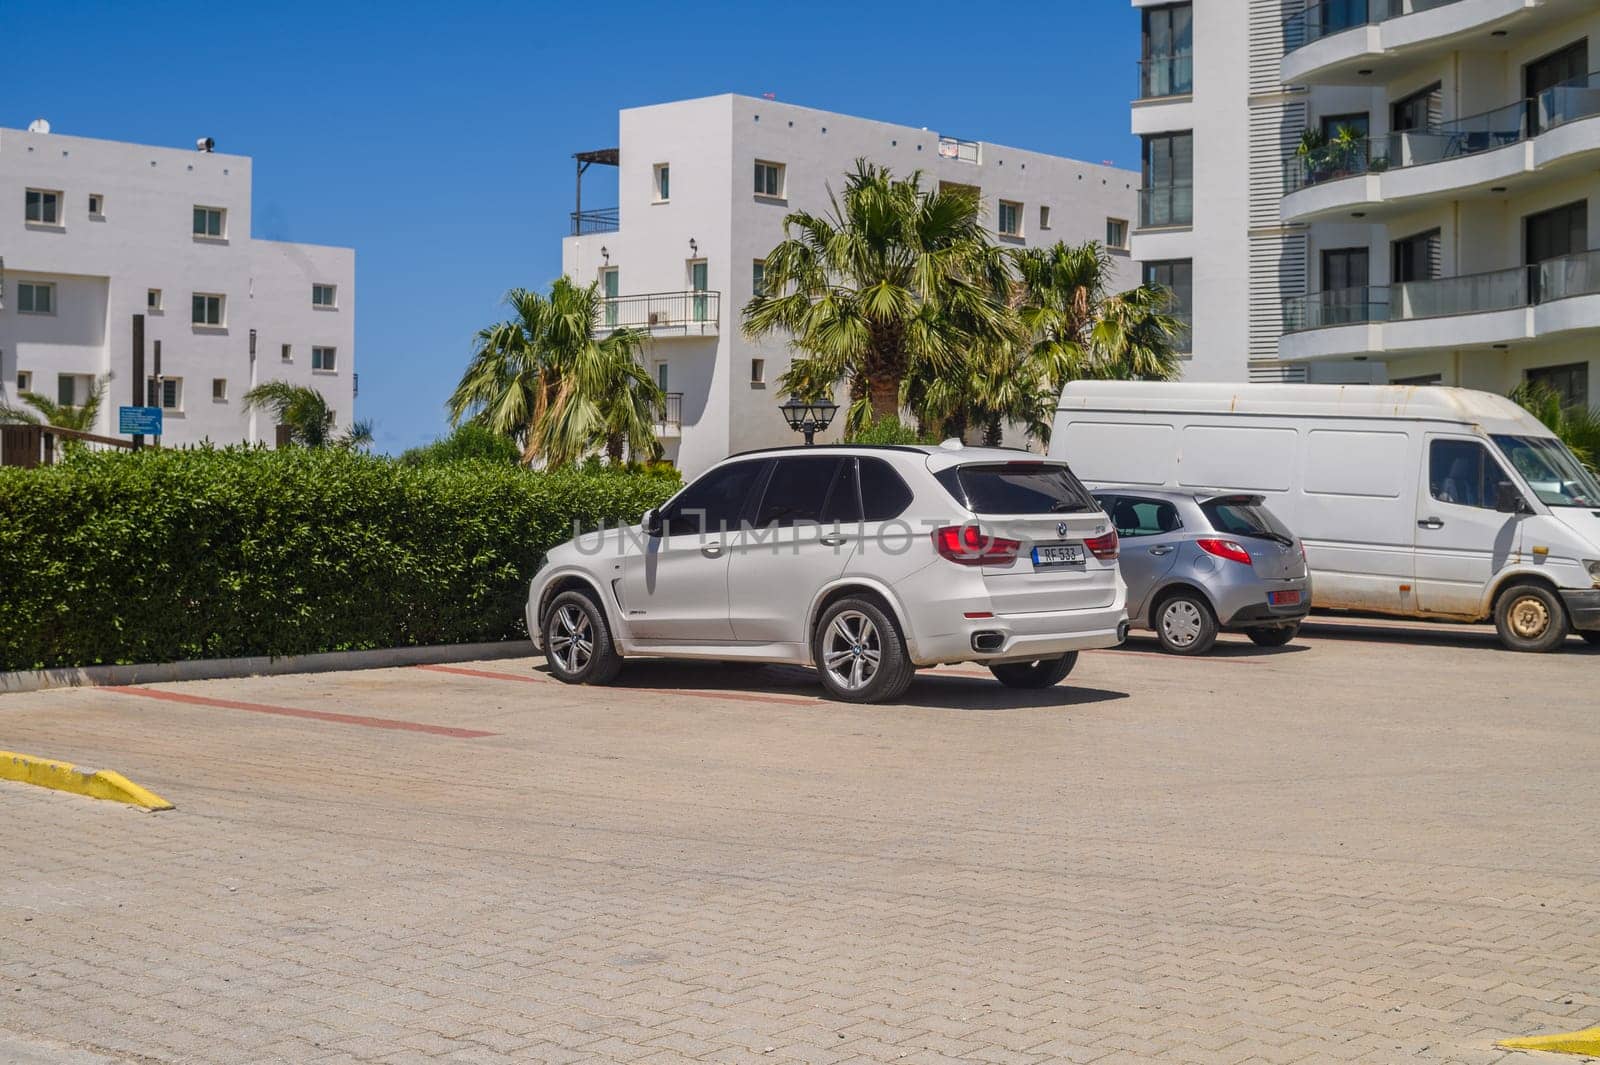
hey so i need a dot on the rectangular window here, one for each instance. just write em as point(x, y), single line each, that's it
point(152, 299)
point(1167, 163)
point(206, 309)
point(663, 182)
point(286, 353)
point(758, 277)
point(36, 297)
point(1044, 217)
point(67, 389)
point(1570, 382)
point(210, 222)
point(1461, 472)
point(24, 381)
point(1414, 258)
point(661, 376)
point(758, 371)
point(1117, 233)
point(769, 179)
point(1167, 67)
point(699, 306)
point(1359, 122)
point(97, 205)
point(323, 359)
point(42, 206)
point(1177, 277)
point(219, 389)
point(324, 296)
point(1422, 110)
point(166, 393)
point(1540, 76)
point(1010, 219)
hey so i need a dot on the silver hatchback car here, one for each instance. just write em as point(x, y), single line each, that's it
point(1199, 563)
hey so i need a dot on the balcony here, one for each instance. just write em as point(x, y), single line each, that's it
point(1373, 41)
point(600, 220)
point(1473, 310)
point(959, 150)
point(1555, 134)
point(665, 314)
point(670, 422)
point(1166, 206)
point(1167, 75)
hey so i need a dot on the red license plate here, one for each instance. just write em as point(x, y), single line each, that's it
point(1283, 598)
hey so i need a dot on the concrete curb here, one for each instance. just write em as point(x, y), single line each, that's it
point(64, 776)
point(29, 680)
point(1586, 1041)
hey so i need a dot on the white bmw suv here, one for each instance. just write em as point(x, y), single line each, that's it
point(867, 562)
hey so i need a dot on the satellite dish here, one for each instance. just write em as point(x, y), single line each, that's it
point(39, 125)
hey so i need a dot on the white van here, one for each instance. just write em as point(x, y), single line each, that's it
point(1411, 501)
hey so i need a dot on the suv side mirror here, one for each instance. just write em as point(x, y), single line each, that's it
point(1508, 499)
point(651, 522)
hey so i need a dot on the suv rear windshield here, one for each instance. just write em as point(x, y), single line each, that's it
point(1243, 516)
point(1016, 488)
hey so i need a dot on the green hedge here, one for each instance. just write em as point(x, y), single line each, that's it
point(166, 555)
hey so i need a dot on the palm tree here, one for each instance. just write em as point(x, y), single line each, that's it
point(549, 380)
point(37, 410)
point(305, 412)
point(894, 280)
point(1577, 427)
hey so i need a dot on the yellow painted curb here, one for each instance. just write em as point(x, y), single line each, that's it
point(63, 776)
point(1584, 1042)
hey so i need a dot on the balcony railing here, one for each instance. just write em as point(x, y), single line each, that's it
point(691, 312)
point(1494, 290)
point(1166, 75)
point(672, 412)
point(1328, 17)
point(602, 220)
point(1166, 205)
point(1556, 106)
point(960, 150)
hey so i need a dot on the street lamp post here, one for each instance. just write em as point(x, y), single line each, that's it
point(808, 418)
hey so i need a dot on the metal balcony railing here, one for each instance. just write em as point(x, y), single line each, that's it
point(1167, 205)
point(692, 312)
point(1166, 75)
point(672, 411)
point(1328, 17)
point(600, 220)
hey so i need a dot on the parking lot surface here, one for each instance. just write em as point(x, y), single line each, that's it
point(1351, 849)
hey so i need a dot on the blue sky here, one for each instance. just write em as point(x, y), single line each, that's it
point(436, 140)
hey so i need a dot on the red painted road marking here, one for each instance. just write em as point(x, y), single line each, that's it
point(699, 693)
point(312, 715)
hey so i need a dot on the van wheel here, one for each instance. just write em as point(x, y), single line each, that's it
point(577, 641)
point(1529, 617)
point(1185, 624)
point(860, 653)
point(1045, 673)
point(1276, 636)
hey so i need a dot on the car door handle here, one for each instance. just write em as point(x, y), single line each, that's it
point(1161, 550)
point(832, 540)
point(712, 550)
point(1431, 523)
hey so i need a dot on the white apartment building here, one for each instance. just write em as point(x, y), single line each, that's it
point(703, 189)
point(1444, 233)
point(95, 233)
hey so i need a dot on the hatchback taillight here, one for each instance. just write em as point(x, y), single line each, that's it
point(1225, 549)
point(968, 546)
point(1103, 547)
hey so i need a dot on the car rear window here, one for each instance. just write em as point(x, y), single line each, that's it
point(1016, 488)
point(1244, 517)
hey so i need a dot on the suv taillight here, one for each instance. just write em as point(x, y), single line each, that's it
point(964, 544)
point(1224, 549)
point(1103, 547)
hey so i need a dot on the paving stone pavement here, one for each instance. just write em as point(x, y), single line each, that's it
point(1352, 850)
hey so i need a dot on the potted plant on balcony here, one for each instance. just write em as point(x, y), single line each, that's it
point(1344, 152)
point(1312, 151)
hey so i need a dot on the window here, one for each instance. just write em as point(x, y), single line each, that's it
point(1167, 164)
point(166, 393)
point(1414, 258)
point(884, 494)
point(42, 206)
point(323, 359)
point(1554, 474)
point(206, 309)
point(67, 389)
point(36, 297)
point(1461, 472)
point(210, 222)
point(286, 353)
point(1570, 382)
point(1010, 219)
point(661, 376)
point(1177, 277)
point(1044, 217)
point(663, 182)
point(797, 491)
point(97, 205)
point(699, 282)
point(769, 179)
point(1541, 75)
point(714, 502)
point(1344, 271)
point(758, 277)
point(1168, 45)
point(24, 381)
point(758, 371)
point(219, 389)
point(1140, 517)
point(1359, 122)
point(1421, 110)
point(1017, 488)
point(610, 287)
point(1553, 234)
point(324, 295)
point(1245, 516)
point(1420, 379)
point(152, 299)
point(1117, 233)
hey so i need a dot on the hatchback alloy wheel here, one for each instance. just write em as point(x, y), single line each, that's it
point(572, 638)
point(852, 650)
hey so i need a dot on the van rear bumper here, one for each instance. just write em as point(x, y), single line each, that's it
point(1583, 607)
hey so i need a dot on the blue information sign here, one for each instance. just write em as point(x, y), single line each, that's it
point(137, 421)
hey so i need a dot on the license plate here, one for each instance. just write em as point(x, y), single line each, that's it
point(1058, 555)
point(1284, 598)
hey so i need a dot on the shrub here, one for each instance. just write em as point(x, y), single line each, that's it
point(467, 441)
point(163, 555)
point(889, 430)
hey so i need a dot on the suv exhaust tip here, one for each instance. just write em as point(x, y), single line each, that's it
point(988, 641)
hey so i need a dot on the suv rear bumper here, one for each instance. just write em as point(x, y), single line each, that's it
point(1046, 634)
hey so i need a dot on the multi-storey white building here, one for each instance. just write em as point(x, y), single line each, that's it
point(1443, 232)
point(95, 233)
point(703, 188)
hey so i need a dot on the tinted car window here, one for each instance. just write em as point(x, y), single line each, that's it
point(844, 501)
point(1243, 517)
point(797, 490)
point(1461, 472)
point(884, 493)
point(1016, 488)
point(1141, 517)
point(714, 502)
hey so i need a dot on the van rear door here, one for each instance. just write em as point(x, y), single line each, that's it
point(1461, 540)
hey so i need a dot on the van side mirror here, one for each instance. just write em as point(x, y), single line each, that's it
point(651, 522)
point(1508, 499)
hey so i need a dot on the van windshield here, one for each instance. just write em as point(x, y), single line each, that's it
point(1554, 473)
